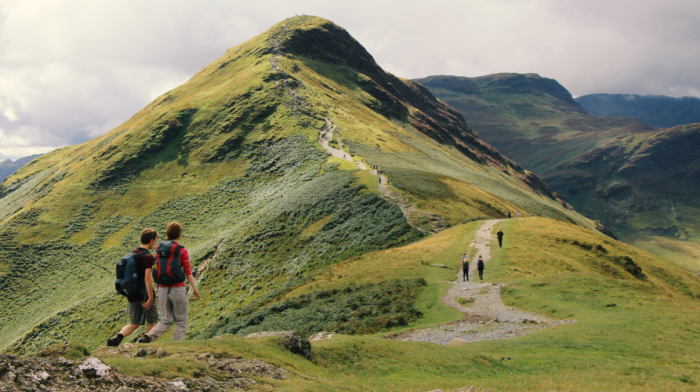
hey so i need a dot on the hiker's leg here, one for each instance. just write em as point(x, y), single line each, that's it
point(467, 274)
point(166, 319)
point(151, 316)
point(129, 329)
point(181, 310)
point(135, 312)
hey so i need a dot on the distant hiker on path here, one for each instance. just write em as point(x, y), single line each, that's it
point(480, 267)
point(500, 238)
point(517, 214)
point(508, 214)
point(465, 267)
point(142, 308)
point(171, 270)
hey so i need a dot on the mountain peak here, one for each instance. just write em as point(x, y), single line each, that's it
point(323, 40)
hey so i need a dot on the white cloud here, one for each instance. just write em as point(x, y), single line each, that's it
point(10, 114)
point(70, 70)
point(27, 141)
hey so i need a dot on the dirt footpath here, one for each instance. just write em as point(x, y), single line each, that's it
point(487, 317)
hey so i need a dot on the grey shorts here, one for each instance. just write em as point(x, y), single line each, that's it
point(136, 313)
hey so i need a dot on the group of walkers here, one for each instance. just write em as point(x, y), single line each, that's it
point(379, 174)
point(517, 214)
point(479, 262)
point(169, 269)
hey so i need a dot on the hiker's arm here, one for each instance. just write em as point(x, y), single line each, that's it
point(185, 257)
point(149, 288)
point(193, 284)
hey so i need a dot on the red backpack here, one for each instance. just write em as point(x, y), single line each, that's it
point(168, 269)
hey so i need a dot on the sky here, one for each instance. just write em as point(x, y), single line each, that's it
point(73, 70)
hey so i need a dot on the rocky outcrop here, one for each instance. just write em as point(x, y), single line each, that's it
point(29, 374)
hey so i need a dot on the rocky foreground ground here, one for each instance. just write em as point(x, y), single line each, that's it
point(91, 374)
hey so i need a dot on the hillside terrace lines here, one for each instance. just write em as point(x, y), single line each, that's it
point(488, 318)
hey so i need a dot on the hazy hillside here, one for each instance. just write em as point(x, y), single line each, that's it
point(636, 179)
point(7, 167)
point(234, 155)
point(655, 110)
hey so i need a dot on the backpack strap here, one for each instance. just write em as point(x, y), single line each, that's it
point(173, 249)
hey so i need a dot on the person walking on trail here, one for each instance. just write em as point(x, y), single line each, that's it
point(480, 267)
point(517, 214)
point(500, 238)
point(508, 214)
point(465, 267)
point(142, 308)
point(171, 270)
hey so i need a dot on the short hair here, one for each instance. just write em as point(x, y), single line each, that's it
point(148, 235)
point(173, 231)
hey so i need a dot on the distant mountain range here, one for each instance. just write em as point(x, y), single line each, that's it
point(7, 167)
point(655, 110)
point(634, 178)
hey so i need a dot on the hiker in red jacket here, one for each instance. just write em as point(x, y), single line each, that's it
point(171, 270)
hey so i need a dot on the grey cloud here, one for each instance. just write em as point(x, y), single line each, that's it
point(71, 70)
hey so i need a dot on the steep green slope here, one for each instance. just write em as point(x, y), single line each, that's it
point(655, 110)
point(233, 154)
point(635, 179)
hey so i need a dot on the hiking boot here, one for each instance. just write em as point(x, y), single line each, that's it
point(115, 341)
point(145, 339)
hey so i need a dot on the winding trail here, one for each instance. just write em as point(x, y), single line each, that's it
point(488, 318)
point(415, 217)
point(326, 136)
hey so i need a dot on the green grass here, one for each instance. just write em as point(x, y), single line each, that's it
point(343, 163)
point(684, 253)
point(465, 301)
point(647, 341)
point(351, 310)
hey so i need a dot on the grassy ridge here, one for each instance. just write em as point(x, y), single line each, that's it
point(631, 334)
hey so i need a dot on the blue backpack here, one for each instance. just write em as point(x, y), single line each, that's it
point(128, 283)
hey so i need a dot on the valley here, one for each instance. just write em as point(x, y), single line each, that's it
point(635, 179)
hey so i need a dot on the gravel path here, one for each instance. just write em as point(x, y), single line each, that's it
point(415, 217)
point(488, 318)
point(326, 136)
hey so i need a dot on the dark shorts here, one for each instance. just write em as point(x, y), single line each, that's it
point(136, 313)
